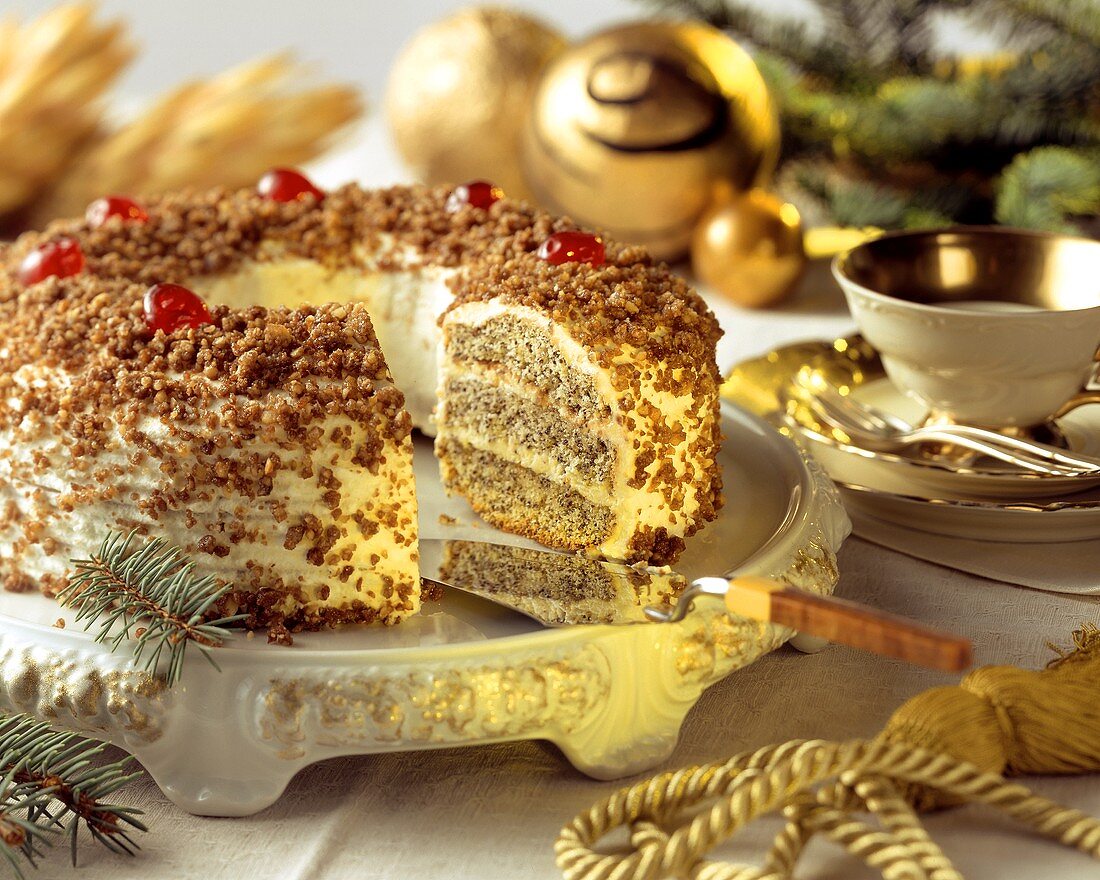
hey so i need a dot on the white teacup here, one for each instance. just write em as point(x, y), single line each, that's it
point(984, 325)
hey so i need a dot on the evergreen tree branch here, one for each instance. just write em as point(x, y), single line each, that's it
point(830, 61)
point(843, 21)
point(972, 121)
point(915, 34)
point(24, 830)
point(1079, 19)
point(1049, 186)
point(878, 130)
point(52, 784)
point(965, 115)
point(153, 592)
point(829, 193)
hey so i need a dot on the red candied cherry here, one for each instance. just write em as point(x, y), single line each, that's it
point(61, 257)
point(101, 210)
point(287, 185)
point(478, 193)
point(573, 247)
point(171, 306)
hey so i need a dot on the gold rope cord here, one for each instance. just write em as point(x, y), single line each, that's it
point(674, 819)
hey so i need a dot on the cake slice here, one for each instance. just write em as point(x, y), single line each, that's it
point(579, 405)
point(555, 588)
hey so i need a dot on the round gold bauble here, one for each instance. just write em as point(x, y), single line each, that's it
point(749, 249)
point(638, 129)
point(460, 91)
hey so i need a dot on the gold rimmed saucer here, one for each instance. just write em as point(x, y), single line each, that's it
point(769, 386)
point(940, 496)
point(1051, 522)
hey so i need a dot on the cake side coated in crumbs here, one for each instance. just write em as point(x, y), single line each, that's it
point(221, 436)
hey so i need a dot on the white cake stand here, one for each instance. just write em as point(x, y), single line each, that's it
point(611, 698)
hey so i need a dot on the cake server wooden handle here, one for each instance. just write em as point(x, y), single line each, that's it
point(848, 623)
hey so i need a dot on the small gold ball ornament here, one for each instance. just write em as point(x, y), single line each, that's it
point(460, 91)
point(638, 129)
point(750, 249)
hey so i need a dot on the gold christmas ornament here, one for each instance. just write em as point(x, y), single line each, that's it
point(750, 249)
point(460, 91)
point(638, 129)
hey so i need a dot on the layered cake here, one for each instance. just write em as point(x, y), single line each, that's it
point(579, 404)
point(209, 368)
point(556, 589)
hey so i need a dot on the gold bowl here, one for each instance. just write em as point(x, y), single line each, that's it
point(985, 326)
point(979, 264)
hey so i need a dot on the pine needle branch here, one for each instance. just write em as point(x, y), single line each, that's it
point(68, 784)
point(1048, 187)
point(51, 783)
point(149, 594)
point(881, 128)
point(1076, 18)
point(833, 61)
point(24, 830)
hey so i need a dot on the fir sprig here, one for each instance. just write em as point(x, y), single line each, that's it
point(1046, 186)
point(151, 595)
point(870, 107)
point(52, 784)
point(24, 830)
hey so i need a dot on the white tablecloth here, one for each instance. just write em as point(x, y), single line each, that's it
point(495, 812)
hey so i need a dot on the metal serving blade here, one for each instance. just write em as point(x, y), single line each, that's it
point(561, 589)
point(556, 589)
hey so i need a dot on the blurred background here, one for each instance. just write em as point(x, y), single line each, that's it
point(352, 40)
point(750, 137)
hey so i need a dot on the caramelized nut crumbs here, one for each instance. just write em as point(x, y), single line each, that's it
point(628, 300)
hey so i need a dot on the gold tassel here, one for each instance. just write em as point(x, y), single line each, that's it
point(946, 746)
point(1012, 721)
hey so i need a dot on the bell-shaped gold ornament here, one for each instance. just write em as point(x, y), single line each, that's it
point(637, 130)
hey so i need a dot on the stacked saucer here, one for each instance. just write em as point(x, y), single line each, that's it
point(979, 498)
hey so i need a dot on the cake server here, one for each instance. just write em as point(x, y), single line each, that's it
point(563, 589)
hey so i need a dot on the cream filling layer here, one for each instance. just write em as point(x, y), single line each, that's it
point(536, 462)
